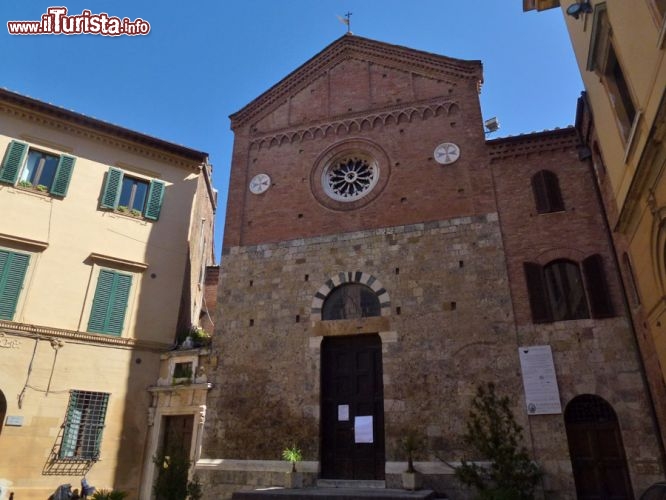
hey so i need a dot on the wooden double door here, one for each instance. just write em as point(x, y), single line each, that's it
point(352, 409)
point(597, 453)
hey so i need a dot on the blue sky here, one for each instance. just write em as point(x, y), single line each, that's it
point(206, 59)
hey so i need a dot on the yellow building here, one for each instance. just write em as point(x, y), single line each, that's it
point(105, 235)
point(620, 49)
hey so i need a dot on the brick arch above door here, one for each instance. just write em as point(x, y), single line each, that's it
point(342, 278)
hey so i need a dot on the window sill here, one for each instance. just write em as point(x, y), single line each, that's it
point(552, 212)
point(124, 215)
point(33, 192)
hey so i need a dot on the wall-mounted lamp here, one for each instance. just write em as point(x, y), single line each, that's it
point(492, 125)
point(578, 8)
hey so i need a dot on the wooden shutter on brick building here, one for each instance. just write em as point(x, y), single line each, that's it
point(536, 288)
point(547, 194)
point(598, 294)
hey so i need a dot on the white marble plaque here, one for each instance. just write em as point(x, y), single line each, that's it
point(542, 396)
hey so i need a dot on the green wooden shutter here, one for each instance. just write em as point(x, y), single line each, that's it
point(155, 197)
point(538, 294)
point(13, 267)
point(112, 185)
point(63, 175)
point(72, 425)
point(110, 302)
point(13, 160)
point(100, 416)
point(118, 304)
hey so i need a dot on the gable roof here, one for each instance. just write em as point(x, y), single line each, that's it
point(349, 46)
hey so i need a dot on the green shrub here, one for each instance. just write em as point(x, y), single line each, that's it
point(493, 433)
point(109, 495)
point(171, 482)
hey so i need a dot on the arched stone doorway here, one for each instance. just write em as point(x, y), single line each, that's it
point(352, 390)
point(596, 450)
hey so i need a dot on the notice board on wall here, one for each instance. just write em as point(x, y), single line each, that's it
point(542, 396)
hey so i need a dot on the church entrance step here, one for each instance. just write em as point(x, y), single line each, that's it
point(349, 483)
point(333, 494)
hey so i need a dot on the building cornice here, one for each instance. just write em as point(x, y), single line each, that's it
point(26, 330)
point(77, 124)
point(537, 142)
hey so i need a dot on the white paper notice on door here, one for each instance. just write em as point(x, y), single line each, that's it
point(343, 413)
point(363, 429)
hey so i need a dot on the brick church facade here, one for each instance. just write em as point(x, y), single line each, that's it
point(382, 259)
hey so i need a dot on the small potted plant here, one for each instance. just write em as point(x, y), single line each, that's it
point(293, 479)
point(199, 336)
point(182, 373)
point(410, 443)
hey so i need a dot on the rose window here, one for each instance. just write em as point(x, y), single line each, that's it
point(349, 178)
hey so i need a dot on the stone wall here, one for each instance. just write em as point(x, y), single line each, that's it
point(448, 328)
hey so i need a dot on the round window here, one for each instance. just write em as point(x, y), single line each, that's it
point(349, 177)
point(350, 174)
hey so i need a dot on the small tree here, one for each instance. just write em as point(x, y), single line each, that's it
point(172, 478)
point(292, 455)
point(492, 432)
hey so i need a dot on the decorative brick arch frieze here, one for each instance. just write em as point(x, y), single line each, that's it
point(350, 277)
point(351, 125)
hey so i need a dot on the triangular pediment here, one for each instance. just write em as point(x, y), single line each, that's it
point(354, 75)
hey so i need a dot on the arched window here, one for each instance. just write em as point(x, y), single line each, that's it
point(547, 195)
point(351, 301)
point(565, 290)
point(557, 292)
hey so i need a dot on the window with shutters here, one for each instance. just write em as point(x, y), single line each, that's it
point(132, 195)
point(30, 168)
point(602, 59)
point(109, 306)
point(84, 423)
point(546, 189)
point(559, 290)
point(13, 267)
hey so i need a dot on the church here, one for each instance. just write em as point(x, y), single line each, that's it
point(382, 258)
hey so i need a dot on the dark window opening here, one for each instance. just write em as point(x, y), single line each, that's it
point(619, 94)
point(133, 194)
point(547, 194)
point(40, 169)
point(84, 423)
point(565, 291)
point(557, 291)
point(351, 301)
